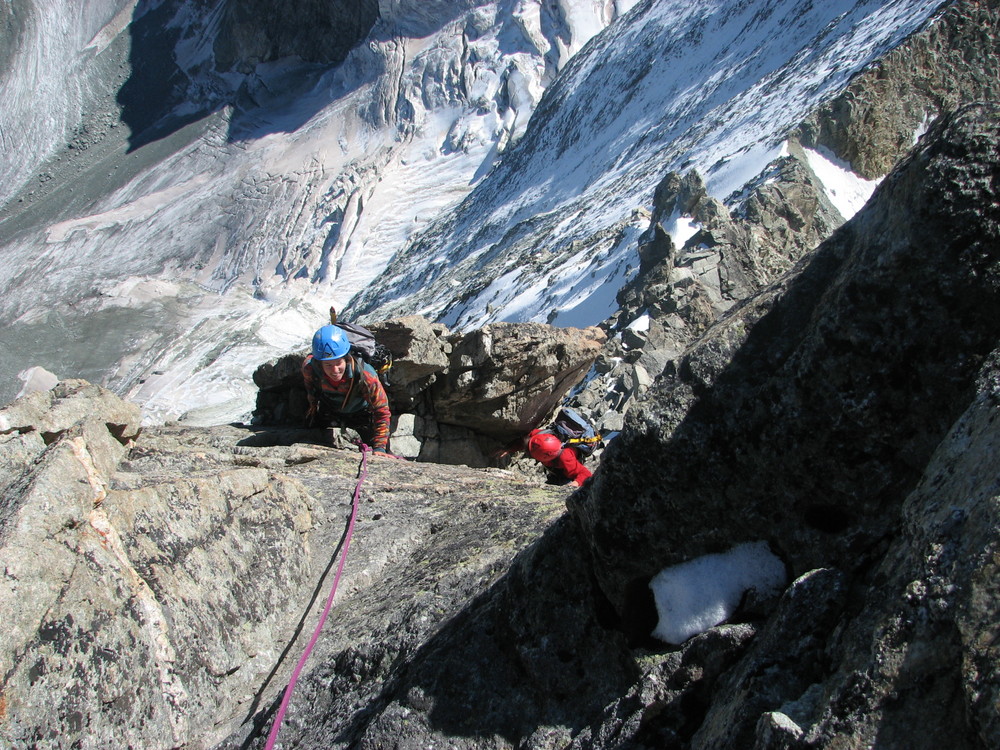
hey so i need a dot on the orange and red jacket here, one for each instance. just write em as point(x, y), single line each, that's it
point(359, 389)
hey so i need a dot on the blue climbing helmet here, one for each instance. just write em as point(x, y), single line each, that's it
point(330, 342)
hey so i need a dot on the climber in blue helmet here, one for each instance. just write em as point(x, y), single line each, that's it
point(344, 390)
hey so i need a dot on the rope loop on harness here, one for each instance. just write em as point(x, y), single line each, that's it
point(276, 726)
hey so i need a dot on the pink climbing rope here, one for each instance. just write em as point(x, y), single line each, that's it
point(276, 726)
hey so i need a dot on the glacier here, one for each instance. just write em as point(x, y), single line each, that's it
point(167, 224)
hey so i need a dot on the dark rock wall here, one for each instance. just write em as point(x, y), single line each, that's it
point(807, 414)
point(321, 31)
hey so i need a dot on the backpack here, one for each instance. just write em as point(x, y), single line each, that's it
point(364, 345)
point(576, 431)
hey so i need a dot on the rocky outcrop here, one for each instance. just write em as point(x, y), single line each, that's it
point(107, 577)
point(456, 398)
point(680, 291)
point(783, 215)
point(420, 350)
point(877, 119)
point(505, 378)
point(52, 411)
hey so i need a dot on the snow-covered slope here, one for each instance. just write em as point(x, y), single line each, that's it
point(427, 167)
point(705, 85)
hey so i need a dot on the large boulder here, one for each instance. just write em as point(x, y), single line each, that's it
point(505, 378)
point(420, 350)
point(281, 391)
point(51, 412)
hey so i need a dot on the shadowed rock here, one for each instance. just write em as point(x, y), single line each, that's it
point(808, 416)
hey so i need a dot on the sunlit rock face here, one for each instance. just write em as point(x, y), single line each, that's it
point(155, 581)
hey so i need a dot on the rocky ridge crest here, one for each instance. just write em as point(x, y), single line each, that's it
point(751, 239)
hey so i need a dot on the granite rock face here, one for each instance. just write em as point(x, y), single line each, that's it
point(157, 592)
point(505, 378)
point(420, 350)
point(114, 632)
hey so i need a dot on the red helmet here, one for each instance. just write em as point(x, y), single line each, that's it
point(544, 446)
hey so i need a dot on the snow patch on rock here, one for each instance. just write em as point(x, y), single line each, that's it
point(698, 594)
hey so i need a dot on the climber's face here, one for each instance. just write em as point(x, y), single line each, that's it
point(334, 368)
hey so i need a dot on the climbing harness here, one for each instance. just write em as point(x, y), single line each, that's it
point(573, 430)
point(276, 726)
